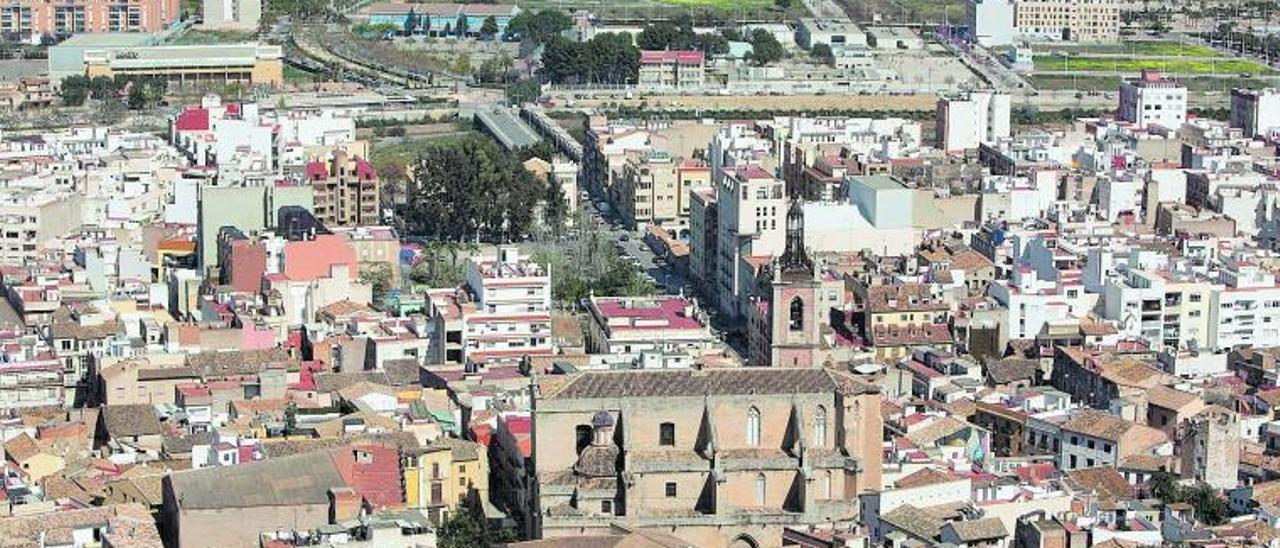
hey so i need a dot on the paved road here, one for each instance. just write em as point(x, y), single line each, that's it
point(632, 246)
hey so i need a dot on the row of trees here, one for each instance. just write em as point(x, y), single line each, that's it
point(607, 58)
point(538, 27)
point(589, 264)
point(677, 34)
point(137, 92)
point(472, 190)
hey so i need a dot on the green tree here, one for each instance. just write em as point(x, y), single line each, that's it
point(102, 87)
point(137, 99)
point(675, 34)
point(290, 418)
point(539, 27)
point(712, 44)
point(555, 209)
point(765, 48)
point(489, 28)
point(378, 276)
point(782, 4)
point(471, 189)
point(527, 90)
point(540, 149)
point(75, 89)
point(464, 530)
point(822, 52)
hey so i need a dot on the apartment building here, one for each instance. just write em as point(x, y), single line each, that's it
point(1257, 112)
point(31, 220)
point(1163, 307)
point(506, 310)
point(654, 190)
point(231, 14)
point(701, 447)
point(35, 17)
point(672, 69)
point(971, 119)
point(1153, 99)
point(1245, 309)
point(346, 190)
point(751, 226)
point(1074, 20)
point(627, 325)
point(26, 92)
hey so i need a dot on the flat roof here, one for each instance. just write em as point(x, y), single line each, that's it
point(108, 39)
point(880, 182)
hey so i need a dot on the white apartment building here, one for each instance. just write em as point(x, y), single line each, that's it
point(1166, 308)
point(1245, 308)
point(511, 315)
point(971, 119)
point(751, 223)
point(1031, 302)
point(991, 22)
point(736, 145)
point(231, 14)
point(1074, 20)
point(1153, 100)
point(1257, 112)
point(1117, 195)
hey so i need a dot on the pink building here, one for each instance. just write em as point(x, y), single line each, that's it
point(28, 17)
point(311, 259)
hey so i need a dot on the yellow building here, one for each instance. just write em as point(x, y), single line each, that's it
point(899, 317)
point(444, 475)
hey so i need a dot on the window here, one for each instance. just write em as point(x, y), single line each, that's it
point(760, 490)
point(797, 314)
point(820, 427)
point(606, 507)
point(826, 485)
point(1073, 462)
point(671, 489)
point(753, 427)
point(666, 434)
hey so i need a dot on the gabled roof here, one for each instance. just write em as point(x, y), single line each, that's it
point(131, 420)
point(714, 382)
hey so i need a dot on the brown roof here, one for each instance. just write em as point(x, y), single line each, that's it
point(237, 362)
point(129, 524)
point(914, 521)
point(924, 476)
point(1170, 398)
point(21, 448)
point(714, 382)
point(1098, 424)
point(1012, 369)
point(76, 330)
point(131, 420)
point(969, 259)
point(905, 298)
point(979, 529)
point(1130, 372)
point(1106, 482)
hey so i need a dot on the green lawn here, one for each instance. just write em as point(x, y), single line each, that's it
point(295, 74)
point(723, 4)
point(213, 37)
point(1172, 65)
point(1137, 47)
